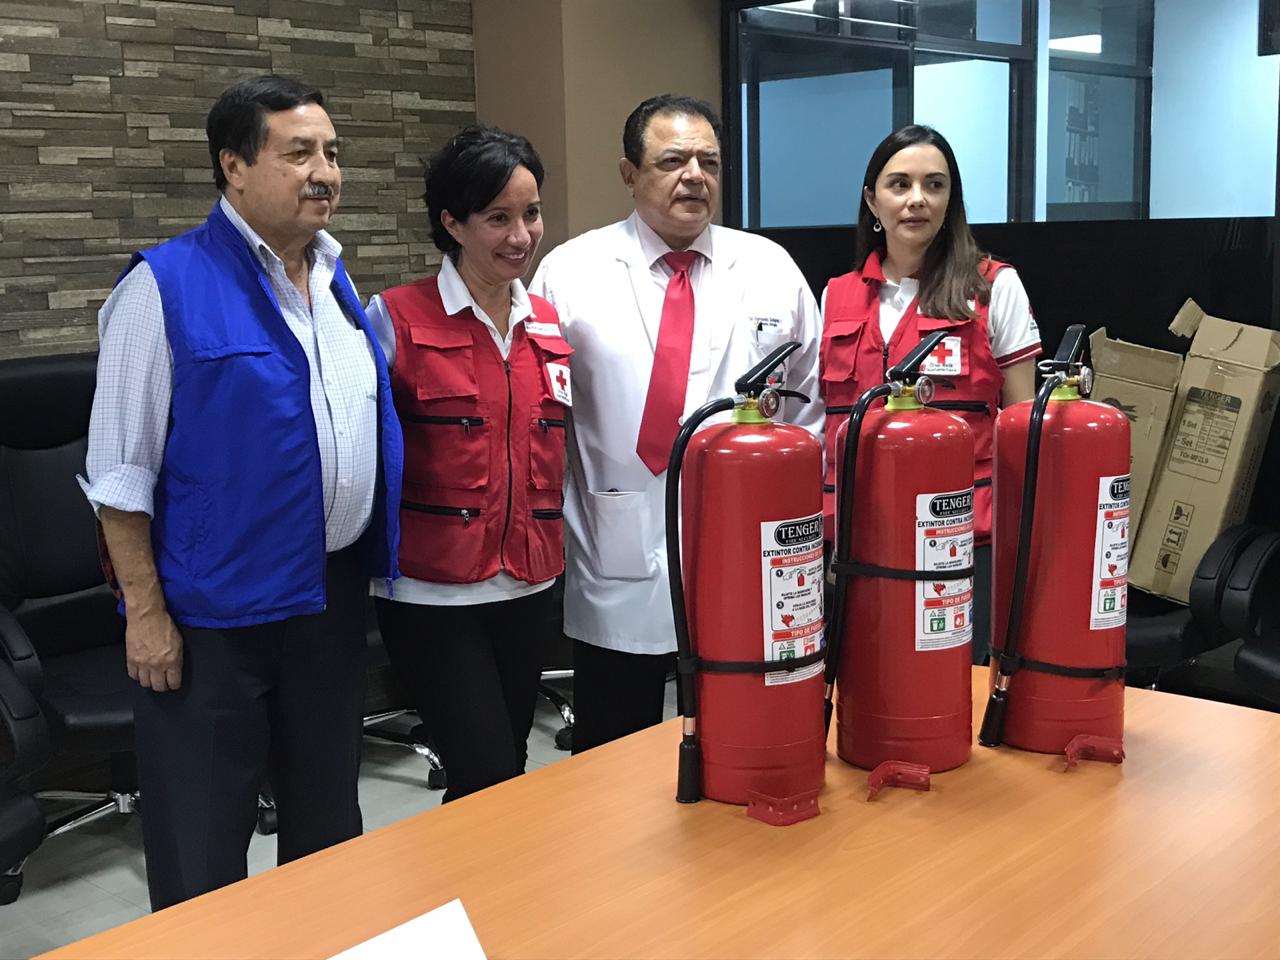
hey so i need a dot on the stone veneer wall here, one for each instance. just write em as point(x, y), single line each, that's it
point(102, 145)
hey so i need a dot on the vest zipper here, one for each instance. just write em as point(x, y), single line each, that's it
point(466, 513)
point(465, 422)
point(506, 524)
point(547, 423)
point(548, 514)
point(884, 364)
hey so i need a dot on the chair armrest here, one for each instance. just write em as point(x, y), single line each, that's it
point(22, 721)
point(17, 651)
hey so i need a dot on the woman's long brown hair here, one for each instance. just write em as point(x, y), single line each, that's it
point(950, 276)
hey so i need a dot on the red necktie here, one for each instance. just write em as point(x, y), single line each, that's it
point(670, 376)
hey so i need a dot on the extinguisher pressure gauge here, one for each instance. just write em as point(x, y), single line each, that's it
point(924, 390)
point(1086, 381)
point(770, 402)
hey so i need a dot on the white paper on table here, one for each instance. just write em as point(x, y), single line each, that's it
point(443, 932)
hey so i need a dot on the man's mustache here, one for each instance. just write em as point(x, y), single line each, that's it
point(318, 191)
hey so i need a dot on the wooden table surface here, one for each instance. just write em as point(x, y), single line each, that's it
point(1176, 853)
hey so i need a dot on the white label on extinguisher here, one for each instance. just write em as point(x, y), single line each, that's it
point(1111, 555)
point(791, 577)
point(944, 543)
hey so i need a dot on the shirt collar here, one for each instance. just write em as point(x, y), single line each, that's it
point(456, 297)
point(654, 248)
point(322, 247)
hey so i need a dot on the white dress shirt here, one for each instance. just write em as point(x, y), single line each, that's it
point(608, 286)
point(130, 419)
point(456, 297)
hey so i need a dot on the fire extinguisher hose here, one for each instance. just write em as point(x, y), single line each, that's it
point(992, 732)
point(844, 542)
point(689, 771)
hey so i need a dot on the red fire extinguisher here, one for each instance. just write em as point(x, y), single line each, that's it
point(1061, 534)
point(902, 623)
point(746, 593)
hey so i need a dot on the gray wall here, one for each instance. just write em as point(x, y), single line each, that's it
point(102, 148)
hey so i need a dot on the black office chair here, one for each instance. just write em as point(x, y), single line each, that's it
point(59, 630)
point(24, 744)
point(1216, 648)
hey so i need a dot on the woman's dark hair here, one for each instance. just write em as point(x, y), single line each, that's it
point(949, 276)
point(238, 121)
point(469, 171)
point(664, 105)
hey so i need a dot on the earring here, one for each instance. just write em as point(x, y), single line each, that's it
point(877, 227)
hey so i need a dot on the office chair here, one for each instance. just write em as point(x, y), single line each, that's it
point(1216, 648)
point(59, 630)
point(24, 744)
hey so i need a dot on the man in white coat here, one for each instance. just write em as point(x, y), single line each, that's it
point(664, 310)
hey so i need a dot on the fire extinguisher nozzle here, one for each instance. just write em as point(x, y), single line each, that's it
point(992, 732)
point(689, 774)
point(826, 715)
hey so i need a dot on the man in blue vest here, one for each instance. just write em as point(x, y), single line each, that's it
point(243, 452)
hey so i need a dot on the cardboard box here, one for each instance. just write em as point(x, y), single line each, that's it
point(1141, 383)
point(1213, 448)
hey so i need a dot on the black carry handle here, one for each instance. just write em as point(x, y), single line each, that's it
point(906, 371)
point(1069, 350)
point(991, 733)
point(757, 378)
point(689, 772)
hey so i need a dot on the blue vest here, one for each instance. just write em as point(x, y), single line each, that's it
point(238, 525)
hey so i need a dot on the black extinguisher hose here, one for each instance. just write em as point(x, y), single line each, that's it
point(904, 371)
point(844, 540)
point(992, 731)
point(689, 775)
point(689, 772)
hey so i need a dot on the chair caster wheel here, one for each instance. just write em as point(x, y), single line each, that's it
point(564, 738)
point(268, 821)
point(10, 887)
point(437, 779)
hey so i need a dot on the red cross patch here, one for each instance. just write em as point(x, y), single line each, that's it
point(947, 359)
point(558, 376)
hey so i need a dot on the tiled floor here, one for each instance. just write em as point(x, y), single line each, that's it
point(93, 878)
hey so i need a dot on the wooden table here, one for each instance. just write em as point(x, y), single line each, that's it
point(1174, 854)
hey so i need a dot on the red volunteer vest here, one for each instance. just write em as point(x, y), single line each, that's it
point(854, 358)
point(483, 441)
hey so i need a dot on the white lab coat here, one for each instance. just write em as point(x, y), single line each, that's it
point(751, 299)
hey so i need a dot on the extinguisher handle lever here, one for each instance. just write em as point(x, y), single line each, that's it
point(757, 378)
point(907, 369)
point(1070, 349)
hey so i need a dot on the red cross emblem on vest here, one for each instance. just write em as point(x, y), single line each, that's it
point(947, 359)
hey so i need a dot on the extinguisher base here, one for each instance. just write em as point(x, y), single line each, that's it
point(782, 811)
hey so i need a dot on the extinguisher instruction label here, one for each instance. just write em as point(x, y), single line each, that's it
point(791, 577)
point(1111, 555)
point(944, 542)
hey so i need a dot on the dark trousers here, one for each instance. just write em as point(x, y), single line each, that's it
point(615, 693)
point(472, 672)
point(282, 700)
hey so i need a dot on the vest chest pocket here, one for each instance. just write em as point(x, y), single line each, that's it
point(447, 450)
point(444, 362)
point(838, 359)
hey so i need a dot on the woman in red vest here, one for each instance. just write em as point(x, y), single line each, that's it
point(480, 376)
point(918, 269)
